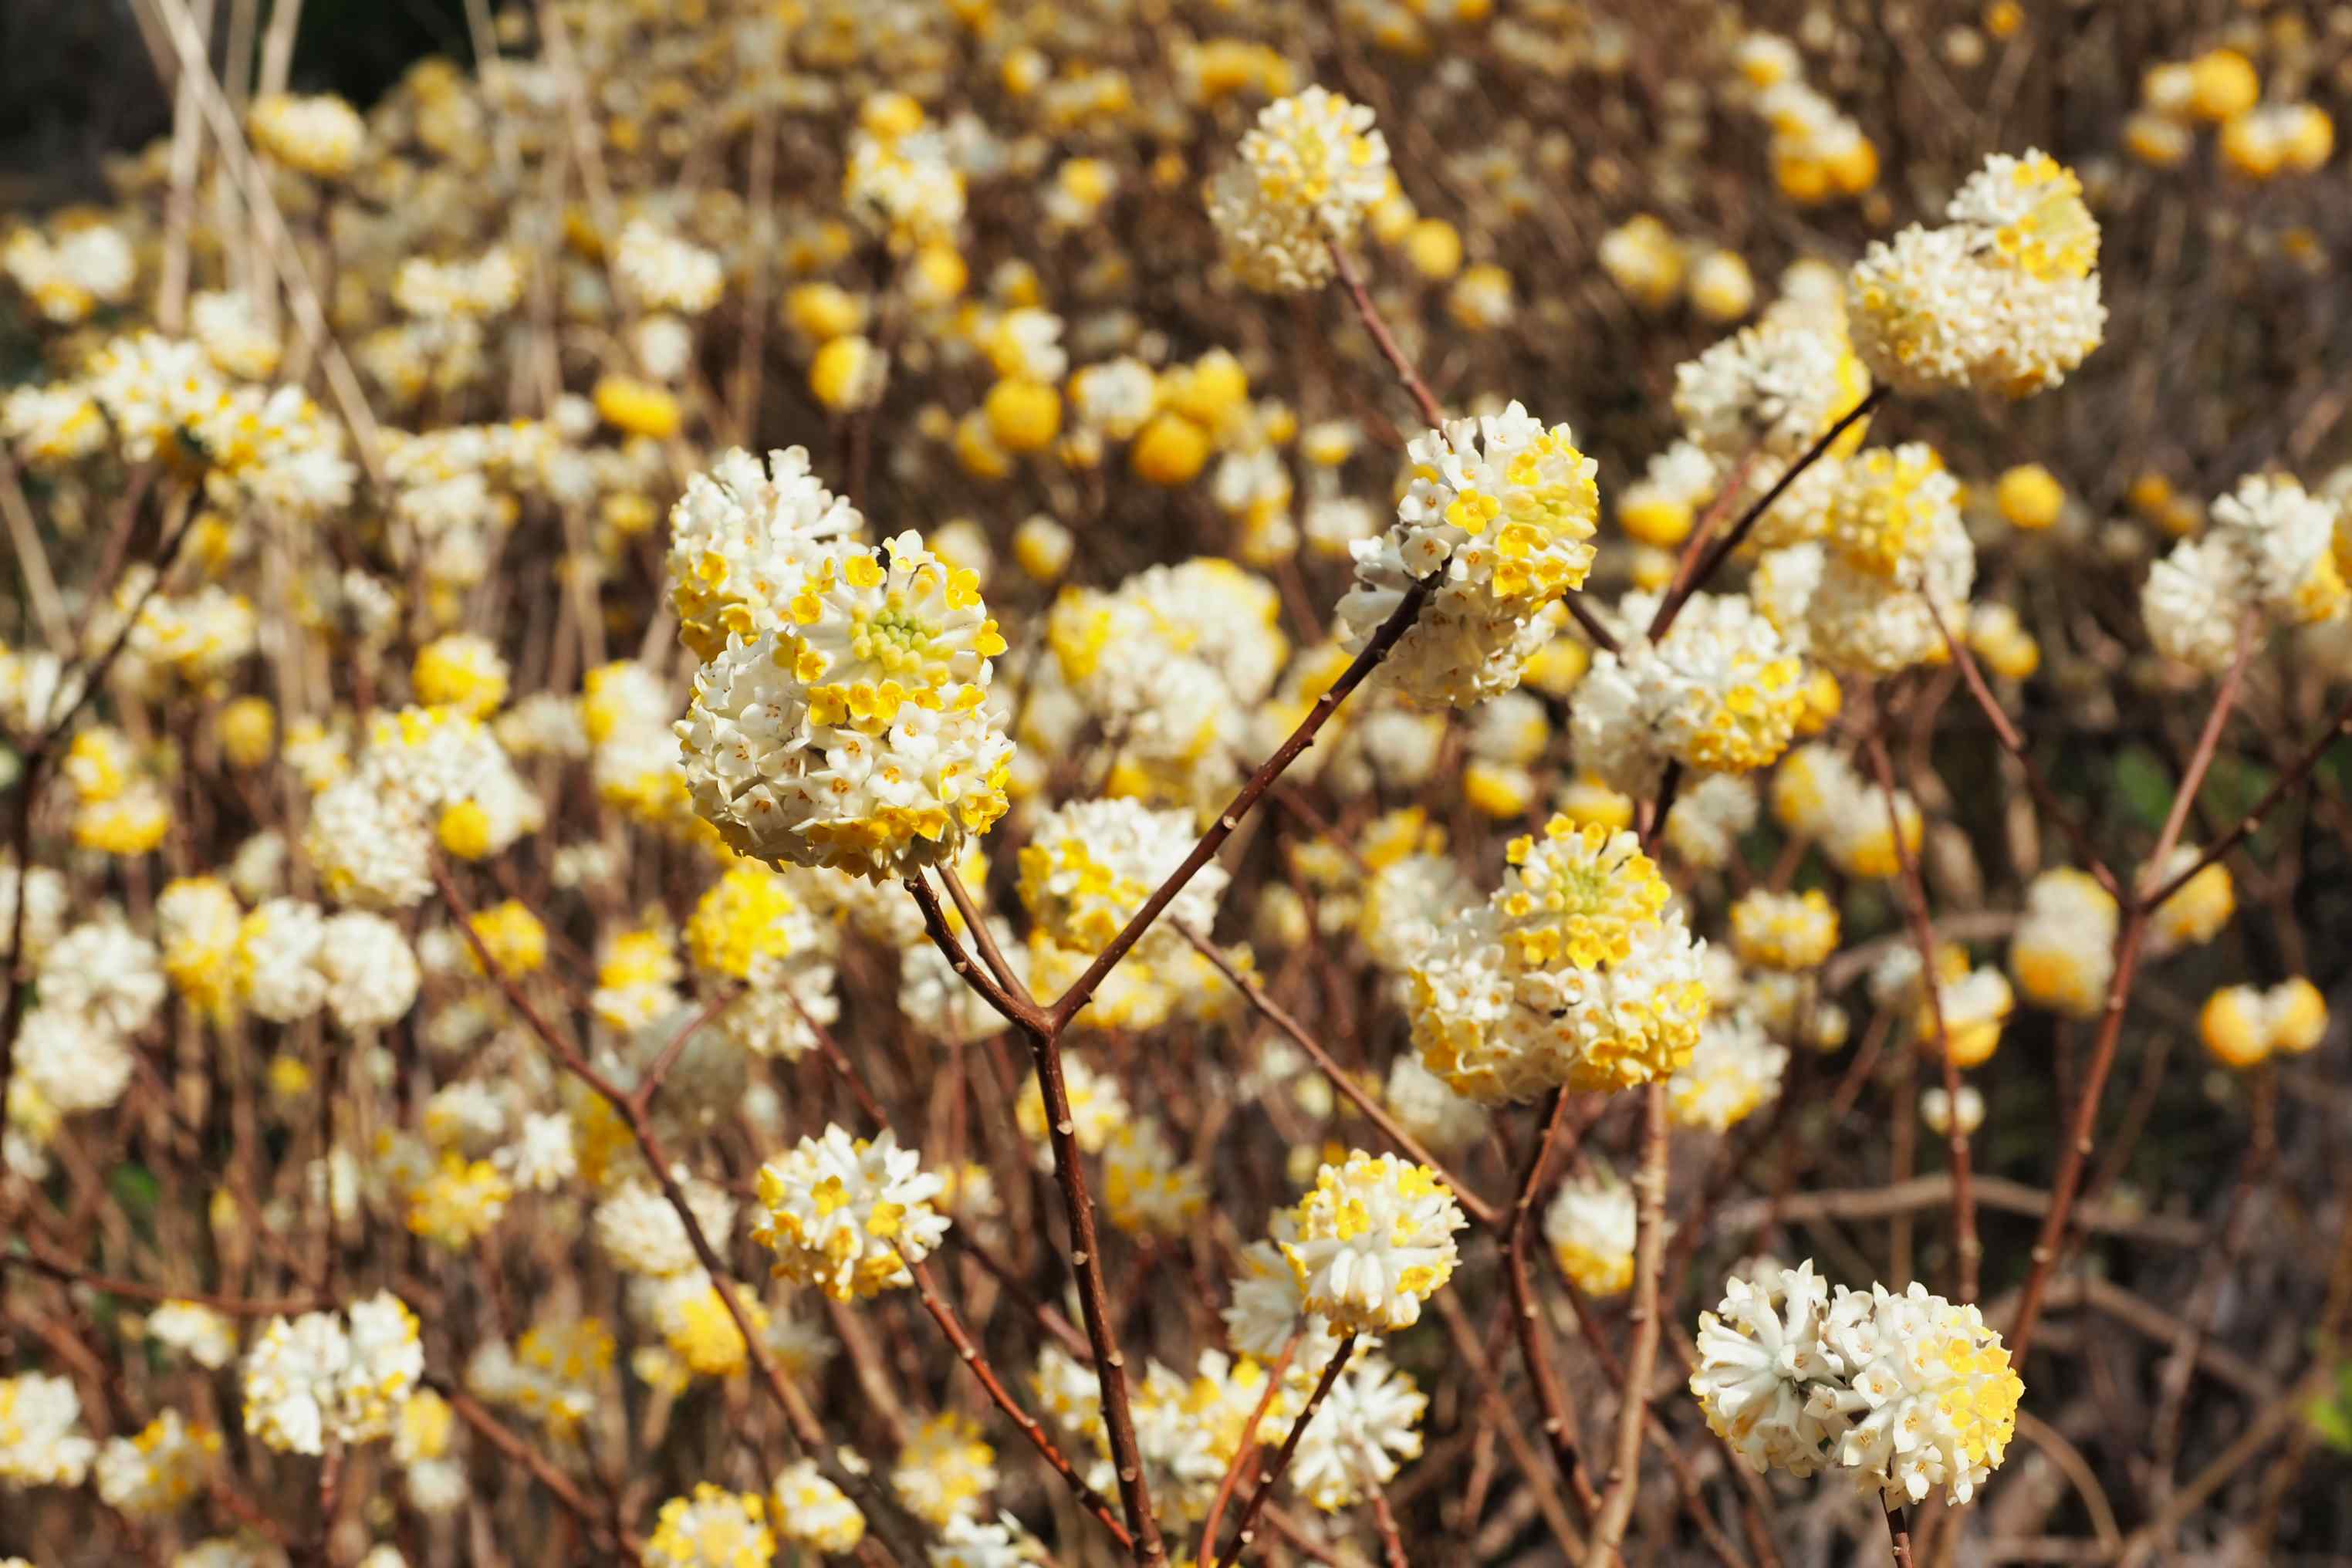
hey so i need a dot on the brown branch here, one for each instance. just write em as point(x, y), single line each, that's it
point(1633, 1405)
point(1269, 1478)
point(969, 1352)
point(2299, 770)
point(1360, 297)
point(1551, 1397)
point(2005, 731)
point(1391, 632)
point(895, 1537)
point(1244, 1453)
point(1679, 596)
point(1923, 936)
point(2076, 1153)
point(606, 1530)
point(1477, 1208)
point(982, 938)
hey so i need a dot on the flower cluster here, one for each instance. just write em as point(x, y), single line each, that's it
point(2004, 297)
point(1499, 512)
point(848, 1214)
point(1574, 972)
point(1905, 1393)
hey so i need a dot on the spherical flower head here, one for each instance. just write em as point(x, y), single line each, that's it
point(1728, 691)
point(1759, 1353)
point(1147, 1189)
point(1862, 621)
point(2193, 602)
point(750, 924)
point(1307, 174)
point(325, 1376)
point(2002, 299)
point(321, 135)
point(640, 1232)
point(371, 973)
point(1374, 1239)
point(856, 733)
point(1590, 1226)
point(905, 188)
point(2196, 914)
point(2033, 208)
point(1928, 1397)
point(1090, 865)
point(848, 1215)
point(1367, 1424)
point(39, 1445)
point(2063, 953)
point(712, 1528)
point(1502, 512)
point(809, 1511)
point(1764, 395)
point(1572, 974)
point(666, 272)
point(1890, 507)
point(1787, 931)
point(2244, 1025)
point(742, 539)
point(1733, 1071)
point(944, 1470)
point(1578, 895)
point(463, 671)
point(2282, 537)
point(1974, 1004)
point(158, 1469)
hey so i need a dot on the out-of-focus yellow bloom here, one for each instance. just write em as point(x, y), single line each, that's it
point(2029, 496)
point(822, 311)
point(1024, 416)
point(638, 407)
point(1170, 450)
point(2222, 85)
point(847, 373)
point(1434, 248)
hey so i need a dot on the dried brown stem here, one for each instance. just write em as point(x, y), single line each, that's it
point(1633, 1404)
point(1477, 1208)
point(1969, 1250)
point(1271, 1477)
point(2076, 1151)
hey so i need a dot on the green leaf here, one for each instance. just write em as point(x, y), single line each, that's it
point(2144, 785)
point(134, 1186)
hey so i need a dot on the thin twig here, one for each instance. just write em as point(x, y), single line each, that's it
point(1633, 1404)
point(1477, 1208)
point(1672, 604)
point(1270, 1477)
point(1923, 936)
point(2076, 1151)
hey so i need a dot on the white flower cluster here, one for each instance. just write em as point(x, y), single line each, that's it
point(847, 1214)
point(665, 272)
point(1308, 172)
point(1089, 866)
point(1905, 1393)
point(1501, 511)
point(743, 538)
point(2063, 953)
point(1898, 557)
point(854, 733)
point(2269, 553)
point(41, 1443)
point(426, 774)
point(2004, 297)
point(327, 1376)
point(1574, 974)
point(1719, 693)
point(1373, 1240)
